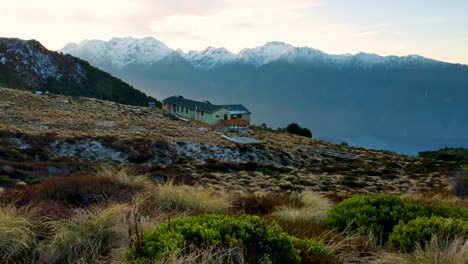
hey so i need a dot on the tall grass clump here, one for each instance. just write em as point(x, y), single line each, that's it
point(438, 250)
point(17, 235)
point(123, 176)
point(86, 237)
point(265, 203)
point(263, 242)
point(314, 208)
point(184, 198)
point(207, 255)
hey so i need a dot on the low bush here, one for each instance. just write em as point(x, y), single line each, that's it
point(406, 236)
point(263, 242)
point(76, 191)
point(85, 237)
point(379, 213)
point(6, 180)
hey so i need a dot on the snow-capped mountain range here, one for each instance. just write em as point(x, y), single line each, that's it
point(120, 52)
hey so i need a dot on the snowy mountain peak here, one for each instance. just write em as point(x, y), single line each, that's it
point(264, 54)
point(119, 52)
point(210, 57)
point(368, 58)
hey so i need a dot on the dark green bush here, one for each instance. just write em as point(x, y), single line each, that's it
point(5, 179)
point(260, 239)
point(405, 236)
point(379, 213)
point(298, 130)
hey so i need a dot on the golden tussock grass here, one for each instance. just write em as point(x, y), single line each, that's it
point(314, 208)
point(122, 175)
point(86, 237)
point(18, 236)
point(182, 198)
point(436, 251)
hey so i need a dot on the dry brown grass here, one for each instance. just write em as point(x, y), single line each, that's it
point(31, 113)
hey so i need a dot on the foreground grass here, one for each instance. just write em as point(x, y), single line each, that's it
point(86, 237)
point(18, 236)
point(100, 232)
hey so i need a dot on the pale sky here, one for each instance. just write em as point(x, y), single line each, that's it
point(432, 28)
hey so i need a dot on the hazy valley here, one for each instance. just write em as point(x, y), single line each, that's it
point(404, 104)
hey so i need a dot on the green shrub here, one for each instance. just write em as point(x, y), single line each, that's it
point(5, 179)
point(262, 241)
point(295, 129)
point(379, 213)
point(406, 236)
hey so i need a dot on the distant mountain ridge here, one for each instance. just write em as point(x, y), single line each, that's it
point(26, 64)
point(347, 97)
point(120, 52)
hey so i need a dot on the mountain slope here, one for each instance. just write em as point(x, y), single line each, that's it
point(29, 65)
point(406, 104)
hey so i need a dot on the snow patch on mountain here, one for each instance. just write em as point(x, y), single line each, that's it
point(31, 55)
point(209, 57)
point(262, 55)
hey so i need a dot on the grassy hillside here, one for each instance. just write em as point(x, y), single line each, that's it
point(450, 154)
point(89, 181)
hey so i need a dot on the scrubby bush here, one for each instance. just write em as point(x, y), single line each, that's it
point(5, 179)
point(78, 191)
point(298, 130)
point(263, 242)
point(379, 213)
point(266, 203)
point(417, 231)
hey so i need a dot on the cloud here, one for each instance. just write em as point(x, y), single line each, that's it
point(56, 22)
point(367, 33)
